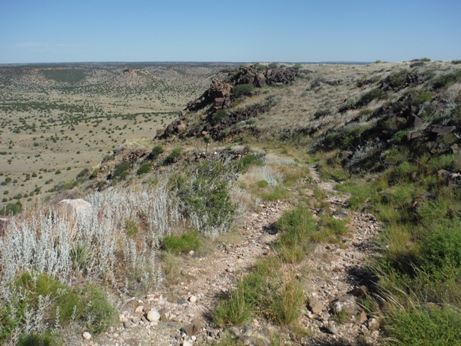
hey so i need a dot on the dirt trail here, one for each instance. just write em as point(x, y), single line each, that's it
point(333, 277)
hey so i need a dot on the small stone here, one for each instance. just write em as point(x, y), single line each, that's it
point(139, 309)
point(362, 317)
point(193, 299)
point(86, 336)
point(315, 305)
point(122, 318)
point(153, 316)
point(135, 319)
point(347, 304)
point(190, 329)
point(186, 343)
point(373, 324)
point(331, 328)
point(128, 324)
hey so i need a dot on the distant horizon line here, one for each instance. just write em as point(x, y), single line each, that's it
point(187, 62)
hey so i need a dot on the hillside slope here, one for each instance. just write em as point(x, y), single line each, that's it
point(308, 204)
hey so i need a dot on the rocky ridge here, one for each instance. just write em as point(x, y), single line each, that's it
point(220, 96)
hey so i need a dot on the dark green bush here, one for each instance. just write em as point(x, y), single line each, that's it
point(370, 96)
point(11, 209)
point(218, 116)
point(446, 79)
point(174, 156)
point(242, 89)
point(82, 173)
point(418, 97)
point(156, 151)
point(397, 79)
point(181, 245)
point(121, 171)
point(45, 339)
point(321, 113)
point(205, 193)
point(145, 168)
point(249, 160)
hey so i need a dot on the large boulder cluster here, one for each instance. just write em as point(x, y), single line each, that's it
point(220, 96)
point(275, 76)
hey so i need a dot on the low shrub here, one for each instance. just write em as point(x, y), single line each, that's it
point(144, 168)
point(249, 160)
point(39, 303)
point(321, 113)
point(121, 171)
point(446, 79)
point(11, 209)
point(83, 173)
point(263, 292)
point(335, 226)
point(262, 184)
point(156, 151)
point(287, 305)
point(131, 228)
point(431, 325)
point(218, 116)
point(206, 196)
point(181, 244)
point(440, 250)
point(35, 339)
point(295, 229)
point(242, 90)
point(233, 311)
point(397, 79)
point(174, 156)
point(276, 193)
point(369, 96)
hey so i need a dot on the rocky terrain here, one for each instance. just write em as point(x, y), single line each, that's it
point(341, 182)
point(180, 315)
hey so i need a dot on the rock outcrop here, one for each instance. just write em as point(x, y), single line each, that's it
point(220, 96)
point(71, 208)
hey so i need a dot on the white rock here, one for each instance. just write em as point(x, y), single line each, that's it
point(122, 318)
point(153, 316)
point(139, 309)
point(71, 208)
point(186, 343)
point(87, 336)
point(193, 299)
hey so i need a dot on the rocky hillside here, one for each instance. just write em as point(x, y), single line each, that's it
point(286, 205)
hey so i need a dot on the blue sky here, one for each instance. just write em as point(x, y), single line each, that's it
point(240, 31)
